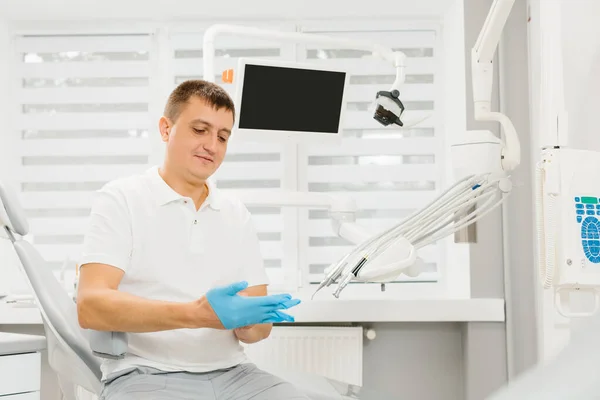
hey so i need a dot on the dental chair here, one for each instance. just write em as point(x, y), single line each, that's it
point(76, 354)
point(69, 352)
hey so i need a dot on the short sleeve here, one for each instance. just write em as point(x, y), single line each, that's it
point(108, 239)
point(253, 269)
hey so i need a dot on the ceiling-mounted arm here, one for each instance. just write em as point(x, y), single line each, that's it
point(482, 66)
point(394, 57)
point(489, 37)
point(482, 54)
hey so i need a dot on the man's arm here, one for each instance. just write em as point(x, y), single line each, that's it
point(254, 333)
point(106, 258)
point(101, 306)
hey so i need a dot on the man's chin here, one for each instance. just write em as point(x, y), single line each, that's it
point(201, 173)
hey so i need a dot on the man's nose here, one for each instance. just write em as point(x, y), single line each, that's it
point(210, 144)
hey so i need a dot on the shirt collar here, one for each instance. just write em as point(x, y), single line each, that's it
point(165, 194)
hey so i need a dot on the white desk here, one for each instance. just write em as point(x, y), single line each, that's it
point(19, 314)
point(20, 366)
point(27, 318)
point(330, 311)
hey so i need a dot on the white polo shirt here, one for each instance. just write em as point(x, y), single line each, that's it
point(169, 251)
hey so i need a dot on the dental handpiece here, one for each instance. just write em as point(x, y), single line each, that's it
point(329, 278)
point(342, 285)
point(349, 276)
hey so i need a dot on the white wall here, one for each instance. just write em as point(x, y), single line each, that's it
point(33, 10)
point(580, 34)
point(4, 247)
point(520, 276)
point(581, 63)
point(494, 352)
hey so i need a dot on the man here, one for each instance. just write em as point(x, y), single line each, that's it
point(176, 263)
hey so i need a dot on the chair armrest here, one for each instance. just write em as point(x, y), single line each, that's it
point(105, 344)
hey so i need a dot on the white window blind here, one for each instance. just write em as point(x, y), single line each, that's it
point(249, 165)
point(82, 121)
point(389, 172)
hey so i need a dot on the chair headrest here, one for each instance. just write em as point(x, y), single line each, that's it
point(11, 213)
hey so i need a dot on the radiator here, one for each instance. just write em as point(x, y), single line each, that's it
point(332, 352)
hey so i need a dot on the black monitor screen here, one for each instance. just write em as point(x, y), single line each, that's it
point(291, 99)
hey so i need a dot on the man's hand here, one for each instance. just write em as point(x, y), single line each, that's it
point(247, 334)
point(235, 311)
point(255, 333)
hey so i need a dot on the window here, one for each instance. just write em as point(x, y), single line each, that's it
point(83, 120)
point(89, 106)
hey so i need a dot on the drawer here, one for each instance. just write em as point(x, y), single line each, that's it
point(20, 373)
point(22, 396)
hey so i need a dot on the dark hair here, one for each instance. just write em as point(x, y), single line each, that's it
point(212, 93)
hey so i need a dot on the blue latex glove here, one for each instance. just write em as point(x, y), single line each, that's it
point(235, 311)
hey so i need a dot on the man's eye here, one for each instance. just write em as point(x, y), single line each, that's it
point(222, 139)
point(199, 130)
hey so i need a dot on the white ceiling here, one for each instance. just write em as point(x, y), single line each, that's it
point(44, 10)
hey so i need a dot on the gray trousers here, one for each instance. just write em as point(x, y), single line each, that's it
point(242, 382)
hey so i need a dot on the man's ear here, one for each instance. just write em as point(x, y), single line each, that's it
point(164, 127)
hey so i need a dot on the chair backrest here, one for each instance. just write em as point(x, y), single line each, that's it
point(12, 216)
point(68, 346)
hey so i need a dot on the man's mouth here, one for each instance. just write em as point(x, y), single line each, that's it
point(205, 158)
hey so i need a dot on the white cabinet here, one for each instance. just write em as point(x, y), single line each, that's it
point(20, 373)
point(20, 366)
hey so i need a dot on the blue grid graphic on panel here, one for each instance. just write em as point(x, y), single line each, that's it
point(587, 209)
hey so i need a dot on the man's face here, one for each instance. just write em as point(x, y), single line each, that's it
point(197, 141)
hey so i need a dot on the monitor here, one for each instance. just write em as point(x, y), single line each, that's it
point(282, 100)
